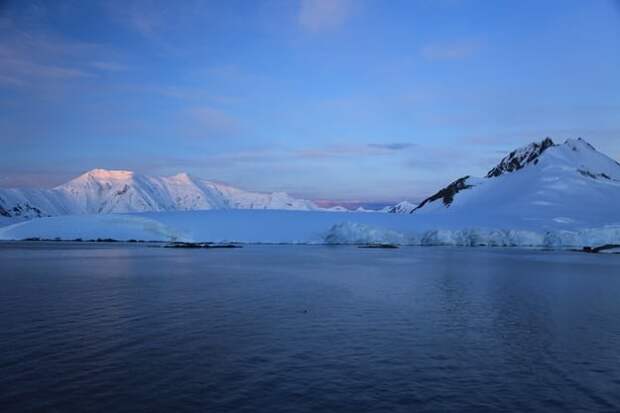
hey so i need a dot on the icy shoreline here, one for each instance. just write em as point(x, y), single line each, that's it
point(286, 227)
point(351, 233)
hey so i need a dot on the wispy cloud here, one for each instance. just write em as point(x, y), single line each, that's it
point(455, 50)
point(145, 18)
point(207, 122)
point(10, 81)
point(160, 21)
point(278, 154)
point(319, 15)
point(27, 57)
point(340, 151)
point(397, 146)
point(109, 66)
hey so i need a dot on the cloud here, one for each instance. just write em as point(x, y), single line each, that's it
point(319, 15)
point(451, 50)
point(341, 151)
point(144, 17)
point(397, 146)
point(207, 121)
point(31, 56)
point(109, 66)
point(161, 21)
point(10, 81)
point(27, 57)
point(17, 71)
point(330, 152)
point(279, 155)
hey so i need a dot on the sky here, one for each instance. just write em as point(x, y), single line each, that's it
point(342, 100)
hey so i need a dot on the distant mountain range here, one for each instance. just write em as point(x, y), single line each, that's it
point(102, 191)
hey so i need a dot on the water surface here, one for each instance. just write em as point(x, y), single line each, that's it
point(123, 327)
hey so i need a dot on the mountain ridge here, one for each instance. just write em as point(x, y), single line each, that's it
point(109, 191)
point(573, 154)
point(546, 184)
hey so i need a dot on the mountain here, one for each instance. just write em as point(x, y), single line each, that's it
point(404, 207)
point(540, 185)
point(542, 195)
point(536, 195)
point(106, 191)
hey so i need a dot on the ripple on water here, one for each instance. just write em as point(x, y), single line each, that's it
point(300, 329)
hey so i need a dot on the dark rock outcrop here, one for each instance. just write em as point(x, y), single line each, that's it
point(596, 250)
point(4, 212)
point(379, 246)
point(20, 210)
point(520, 158)
point(592, 175)
point(203, 245)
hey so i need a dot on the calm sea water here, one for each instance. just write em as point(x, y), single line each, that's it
point(307, 329)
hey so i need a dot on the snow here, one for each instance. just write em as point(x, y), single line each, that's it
point(561, 196)
point(299, 227)
point(91, 227)
point(521, 157)
point(546, 195)
point(105, 191)
point(403, 207)
point(356, 233)
point(611, 251)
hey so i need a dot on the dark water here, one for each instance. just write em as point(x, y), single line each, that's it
point(307, 329)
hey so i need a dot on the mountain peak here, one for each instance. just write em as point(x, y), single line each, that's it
point(402, 207)
point(579, 143)
point(109, 174)
point(182, 177)
point(521, 157)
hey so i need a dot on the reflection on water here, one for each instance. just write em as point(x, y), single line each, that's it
point(274, 328)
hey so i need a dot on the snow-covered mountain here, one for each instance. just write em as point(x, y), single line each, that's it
point(540, 185)
point(543, 195)
point(106, 191)
point(403, 207)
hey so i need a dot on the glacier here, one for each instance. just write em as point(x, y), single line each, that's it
point(300, 227)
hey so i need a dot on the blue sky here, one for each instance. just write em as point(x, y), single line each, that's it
point(349, 100)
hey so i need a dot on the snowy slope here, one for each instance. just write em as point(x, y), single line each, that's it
point(542, 185)
point(104, 191)
point(403, 207)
